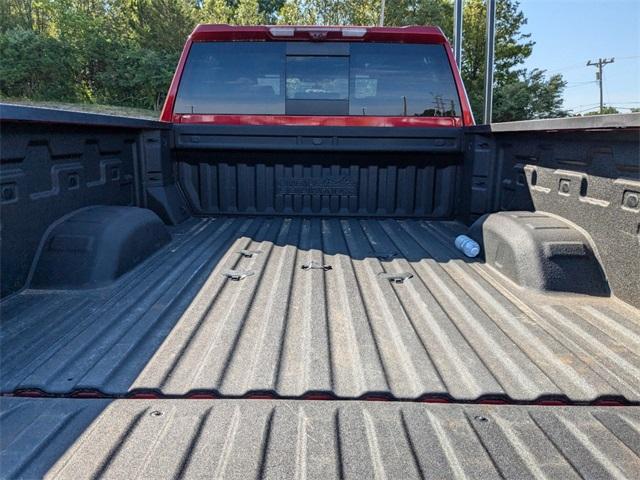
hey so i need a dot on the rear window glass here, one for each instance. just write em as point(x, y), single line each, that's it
point(401, 80)
point(233, 77)
point(317, 78)
point(374, 79)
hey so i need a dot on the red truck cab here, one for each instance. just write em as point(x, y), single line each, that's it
point(317, 76)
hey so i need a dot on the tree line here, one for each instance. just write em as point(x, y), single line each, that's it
point(124, 52)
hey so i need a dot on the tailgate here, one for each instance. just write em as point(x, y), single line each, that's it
point(314, 439)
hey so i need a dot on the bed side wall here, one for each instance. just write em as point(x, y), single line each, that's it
point(590, 177)
point(56, 162)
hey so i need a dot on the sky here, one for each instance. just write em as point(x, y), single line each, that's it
point(568, 33)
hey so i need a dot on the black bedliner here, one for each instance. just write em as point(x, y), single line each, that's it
point(63, 438)
point(177, 324)
point(313, 263)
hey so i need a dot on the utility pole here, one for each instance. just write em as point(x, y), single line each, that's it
point(600, 63)
point(382, 13)
point(458, 7)
point(488, 72)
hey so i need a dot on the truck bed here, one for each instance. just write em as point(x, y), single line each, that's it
point(235, 301)
point(445, 327)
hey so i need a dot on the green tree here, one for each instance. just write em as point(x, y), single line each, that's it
point(420, 12)
point(298, 12)
point(161, 24)
point(26, 14)
point(248, 13)
point(329, 12)
point(348, 12)
point(138, 77)
point(528, 97)
point(89, 29)
point(240, 12)
point(270, 9)
point(606, 110)
point(37, 67)
point(216, 11)
point(125, 51)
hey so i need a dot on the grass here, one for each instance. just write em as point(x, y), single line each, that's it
point(87, 107)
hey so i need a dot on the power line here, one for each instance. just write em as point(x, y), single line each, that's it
point(590, 106)
point(600, 64)
point(581, 84)
point(585, 105)
point(565, 68)
point(583, 110)
point(575, 107)
point(619, 107)
point(576, 66)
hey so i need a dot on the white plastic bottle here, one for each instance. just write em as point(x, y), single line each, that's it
point(467, 245)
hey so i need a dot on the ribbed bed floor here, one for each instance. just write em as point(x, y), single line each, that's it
point(177, 325)
point(263, 439)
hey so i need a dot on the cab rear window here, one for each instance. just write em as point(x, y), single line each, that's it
point(359, 79)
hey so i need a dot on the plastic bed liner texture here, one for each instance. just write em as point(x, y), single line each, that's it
point(65, 438)
point(341, 308)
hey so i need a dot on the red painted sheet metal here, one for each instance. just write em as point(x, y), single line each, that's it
point(169, 102)
point(319, 121)
point(408, 34)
